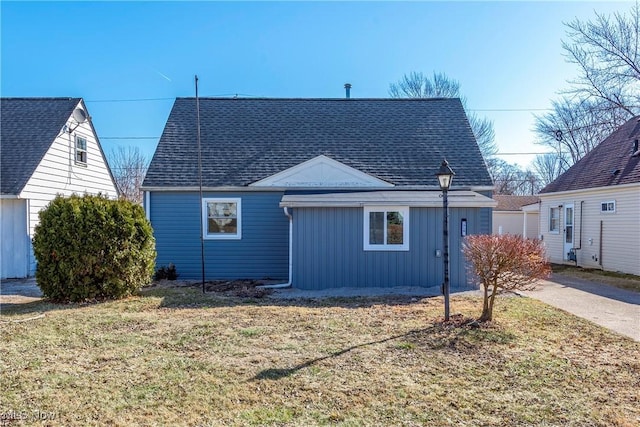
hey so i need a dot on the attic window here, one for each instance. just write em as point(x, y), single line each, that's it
point(81, 150)
point(608, 207)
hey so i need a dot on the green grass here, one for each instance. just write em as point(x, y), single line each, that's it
point(177, 357)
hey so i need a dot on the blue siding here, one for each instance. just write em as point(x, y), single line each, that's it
point(261, 253)
point(328, 249)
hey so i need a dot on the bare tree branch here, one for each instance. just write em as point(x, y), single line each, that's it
point(128, 167)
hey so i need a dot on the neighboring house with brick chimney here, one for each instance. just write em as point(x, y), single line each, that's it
point(590, 215)
point(516, 215)
point(317, 193)
point(48, 146)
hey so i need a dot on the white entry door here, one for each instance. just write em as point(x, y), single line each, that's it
point(568, 230)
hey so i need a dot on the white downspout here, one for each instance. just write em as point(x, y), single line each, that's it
point(288, 284)
point(524, 225)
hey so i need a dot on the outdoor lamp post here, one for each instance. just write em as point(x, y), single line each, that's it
point(445, 176)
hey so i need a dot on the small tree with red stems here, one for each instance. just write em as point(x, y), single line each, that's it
point(504, 263)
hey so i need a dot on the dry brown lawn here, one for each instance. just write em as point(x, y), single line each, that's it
point(174, 356)
point(619, 280)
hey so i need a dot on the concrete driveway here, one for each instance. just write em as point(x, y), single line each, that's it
point(608, 306)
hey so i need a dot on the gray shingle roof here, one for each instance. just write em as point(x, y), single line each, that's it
point(609, 163)
point(402, 141)
point(28, 128)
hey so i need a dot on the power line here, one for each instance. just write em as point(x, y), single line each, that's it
point(130, 100)
point(249, 95)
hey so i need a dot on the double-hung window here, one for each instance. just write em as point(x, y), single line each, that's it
point(386, 228)
point(222, 218)
point(554, 220)
point(81, 150)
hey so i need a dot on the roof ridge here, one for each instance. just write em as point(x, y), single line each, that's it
point(41, 98)
point(231, 98)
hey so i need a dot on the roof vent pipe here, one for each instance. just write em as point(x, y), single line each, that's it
point(635, 145)
point(347, 88)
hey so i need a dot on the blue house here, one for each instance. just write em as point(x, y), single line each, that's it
point(318, 193)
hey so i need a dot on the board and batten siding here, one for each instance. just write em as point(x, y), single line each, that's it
point(328, 249)
point(261, 253)
point(620, 230)
point(58, 173)
point(14, 239)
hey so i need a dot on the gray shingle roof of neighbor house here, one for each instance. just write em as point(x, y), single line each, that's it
point(609, 163)
point(28, 128)
point(401, 141)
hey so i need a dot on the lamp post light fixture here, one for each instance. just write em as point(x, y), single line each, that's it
point(445, 176)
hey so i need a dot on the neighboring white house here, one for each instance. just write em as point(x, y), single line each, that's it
point(48, 146)
point(516, 215)
point(590, 215)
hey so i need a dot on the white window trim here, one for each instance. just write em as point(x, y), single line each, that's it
point(85, 151)
point(608, 211)
point(556, 231)
point(205, 219)
point(404, 210)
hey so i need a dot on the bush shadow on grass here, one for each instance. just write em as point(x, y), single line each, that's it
point(461, 337)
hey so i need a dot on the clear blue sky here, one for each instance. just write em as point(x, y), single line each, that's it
point(506, 55)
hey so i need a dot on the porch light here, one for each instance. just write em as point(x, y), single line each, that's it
point(445, 175)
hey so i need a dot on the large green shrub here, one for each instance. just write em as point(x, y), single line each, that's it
point(91, 247)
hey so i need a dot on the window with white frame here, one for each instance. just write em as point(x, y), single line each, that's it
point(608, 207)
point(386, 228)
point(554, 220)
point(81, 150)
point(222, 218)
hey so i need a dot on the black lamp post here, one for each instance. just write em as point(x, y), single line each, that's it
point(445, 176)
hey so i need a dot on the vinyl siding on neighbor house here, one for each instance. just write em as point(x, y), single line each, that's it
point(58, 173)
point(261, 253)
point(620, 229)
point(513, 223)
point(328, 249)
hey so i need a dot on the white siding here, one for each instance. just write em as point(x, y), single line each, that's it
point(58, 173)
point(512, 222)
point(14, 239)
point(532, 225)
point(509, 222)
point(619, 248)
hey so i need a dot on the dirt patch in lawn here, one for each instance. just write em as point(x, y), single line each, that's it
point(230, 288)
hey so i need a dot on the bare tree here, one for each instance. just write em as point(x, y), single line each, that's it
point(128, 167)
point(548, 167)
point(606, 52)
point(504, 263)
point(418, 85)
point(606, 92)
point(513, 180)
point(573, 128)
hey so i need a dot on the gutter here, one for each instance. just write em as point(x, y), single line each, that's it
point(288, 284)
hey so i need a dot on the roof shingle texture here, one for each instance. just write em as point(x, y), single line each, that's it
point(513, 203)
point(609, 163)
point(28, 128)
point(245, 140)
